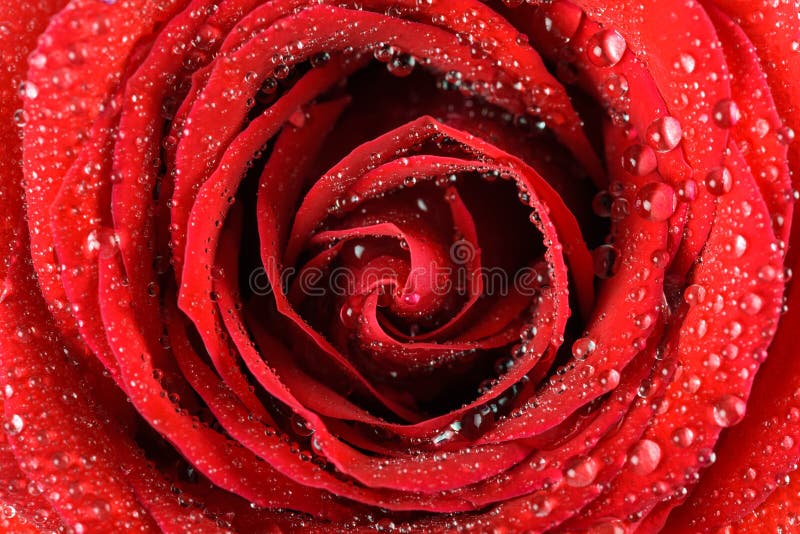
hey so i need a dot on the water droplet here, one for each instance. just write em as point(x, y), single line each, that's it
point(694, 294)
point(664, 133)
point(37, 60)
point(282, 71)
point(644, 321)
point(692, 384)
point(20, 118)
point(751, 303)
point(726, 113)
point(683, 436)
point(269, 86)
point(207, 36)
point(298, 118)
point(729, 410)
point(616, 85)
point(300, 426)
point(583, 347)
point(348, 315)
point(541, 505)
point(320, 59)
point(644, 457)
point(614, 526)
point(660, 258)
point(606, 48)
point(60, 460)
point(619, 209)
point(656, 201)
point(785, 135)
point(401, 65)
point(761, 127)
point(601, 204)
point(730, 351)
point(581, 472)
point(411, 298)
point(15, 425)
point(685, 63)
point(605, 261)
point(384, 52)
point(609, 379)
point(28, 90)
point(475, 423)
point(719, 181)
point(687, 190)
point(639, 160)
point(739, 246)
point(767, 273)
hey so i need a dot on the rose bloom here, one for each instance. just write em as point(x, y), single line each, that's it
point(399, 266)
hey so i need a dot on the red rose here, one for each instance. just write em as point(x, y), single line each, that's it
point(398, 266)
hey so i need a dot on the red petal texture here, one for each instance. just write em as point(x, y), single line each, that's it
point(392, 265)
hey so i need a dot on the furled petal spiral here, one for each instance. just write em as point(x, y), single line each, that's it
point(290, 266)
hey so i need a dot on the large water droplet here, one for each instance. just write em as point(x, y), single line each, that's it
point(639, 160)
point(541, 506)
point(616, 85)
point(401, 65)
point(605, 261)
point(656, 201)
point(583, 347)
point(694, 294)
point(15, 425)
point(601, 204)
point(412, 298)
point(207, 36)
point(644, 457)
point(719, 181)
point(739, 246)
point(726, 113)
point(685, 63)
point(581, 472)
point(348, 315)
point(729, 410)
point(609, 379)
point(683, 436)
point(476, 422)
point(606, 48)
point(687, 190)
point(664, 133)
point(751, 303)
